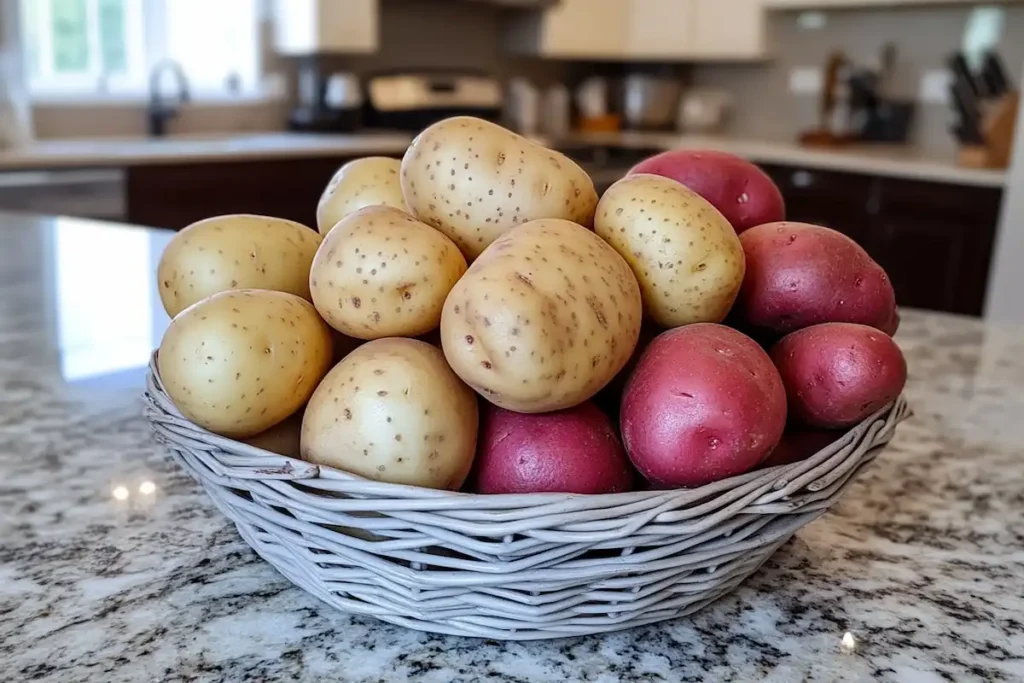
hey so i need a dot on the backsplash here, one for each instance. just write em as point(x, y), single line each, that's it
point(924, 36)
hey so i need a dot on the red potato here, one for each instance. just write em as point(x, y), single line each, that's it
point(744, 193)
point(704, 403)
point(799, 443)
point(837, 374)
point(569, 451)
point(800, 275)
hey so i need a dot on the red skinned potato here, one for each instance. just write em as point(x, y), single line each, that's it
point(704, 403)
point(744, 193)
point(569, 451)
point(800, 275)
point(799, 443)
point(837, 374)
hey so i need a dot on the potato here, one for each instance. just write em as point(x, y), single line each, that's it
point(800, 275)
point(370, 181)
point(838, 374)
point(473, 180)
point(393, 411)
point(744, 193)
point(382, 273)
point(683, 252)
point(239, 251)
point(543, 319)
point(799, 443)
point(240, 362)
point(282, 438)
point(704, 403)
point(568, 451)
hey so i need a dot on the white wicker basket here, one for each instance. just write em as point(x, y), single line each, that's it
point(513, 567)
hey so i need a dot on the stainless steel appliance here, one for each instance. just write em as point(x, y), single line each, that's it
point(83, 193)
point(412, 101)
point(327, 102)
point(650, 101)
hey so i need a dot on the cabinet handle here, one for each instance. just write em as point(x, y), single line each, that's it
point(802, 179)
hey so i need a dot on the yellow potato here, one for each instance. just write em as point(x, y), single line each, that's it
point(240, 362)
point(382, 273)
point(543, 319)
point(393, 411)
point(685, 254)
point(473, 180)
point(240, 251)
point(363, 182)
point(282, 438)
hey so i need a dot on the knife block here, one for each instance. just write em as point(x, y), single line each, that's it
point(997, 129)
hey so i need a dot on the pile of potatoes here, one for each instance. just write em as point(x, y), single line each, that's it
point(474, 317)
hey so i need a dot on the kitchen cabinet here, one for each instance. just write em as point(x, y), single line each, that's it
point(934, 239)
point(729, 30)
point(175, 195)
point(657, 30)
point(573, 29)
point(825, 4)
point(305, 27)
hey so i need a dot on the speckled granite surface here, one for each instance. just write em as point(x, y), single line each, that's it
point(115, 567)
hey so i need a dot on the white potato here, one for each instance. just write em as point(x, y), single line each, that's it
point(382, 273)
point(363, 182)
point(473, 180)
point(393, 411)
point(685, 254)
point(544, 319)
point(240, 251)
point(242, 361)
point(283, 438)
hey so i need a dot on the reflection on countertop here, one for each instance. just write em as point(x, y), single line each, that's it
point(116, 567)
point(886, 160)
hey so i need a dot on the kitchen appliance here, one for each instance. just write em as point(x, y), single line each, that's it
point(557, 117)
point(327, 103)
point(523, 107)
point(650, 102)
point(704, 110)
point(592, 103)
point(413, 100)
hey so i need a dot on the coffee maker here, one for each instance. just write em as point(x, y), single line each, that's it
point(327, 102)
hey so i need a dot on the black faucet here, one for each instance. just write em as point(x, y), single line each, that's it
point(161, 110)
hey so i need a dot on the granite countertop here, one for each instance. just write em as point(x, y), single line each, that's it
point(887, 160)
point(116, 567)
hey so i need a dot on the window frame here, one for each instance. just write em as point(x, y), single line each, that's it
point(145, 45)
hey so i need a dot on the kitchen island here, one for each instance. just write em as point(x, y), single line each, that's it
point(116, 567)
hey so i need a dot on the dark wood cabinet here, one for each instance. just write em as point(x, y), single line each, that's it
point(175, 195)
point(935, 239)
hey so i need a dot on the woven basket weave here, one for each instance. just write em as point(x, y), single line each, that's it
point(512, 567)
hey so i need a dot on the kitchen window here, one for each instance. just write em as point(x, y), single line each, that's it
point(105, 49)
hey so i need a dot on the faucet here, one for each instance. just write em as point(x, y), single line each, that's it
point(160, 111)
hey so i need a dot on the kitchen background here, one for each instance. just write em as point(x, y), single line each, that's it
point(748, 76)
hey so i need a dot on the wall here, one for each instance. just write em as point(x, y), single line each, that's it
point(925, 36)
point(1005, 302)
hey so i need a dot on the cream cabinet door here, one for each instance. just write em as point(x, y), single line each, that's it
point(585, 28)
point(732, 29)
point(660, 29)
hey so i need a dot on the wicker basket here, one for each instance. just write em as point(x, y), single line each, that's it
point(513, 567)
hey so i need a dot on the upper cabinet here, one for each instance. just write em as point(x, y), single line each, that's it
point(824, 4)
point(729, 30)
point(657, 30)
point(303, 27)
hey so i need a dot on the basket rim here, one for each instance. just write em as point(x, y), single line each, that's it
point(304, 472)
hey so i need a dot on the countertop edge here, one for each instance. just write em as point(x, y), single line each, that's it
point(48, 155)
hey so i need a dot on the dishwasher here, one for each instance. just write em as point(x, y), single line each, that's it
point(81, 193)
